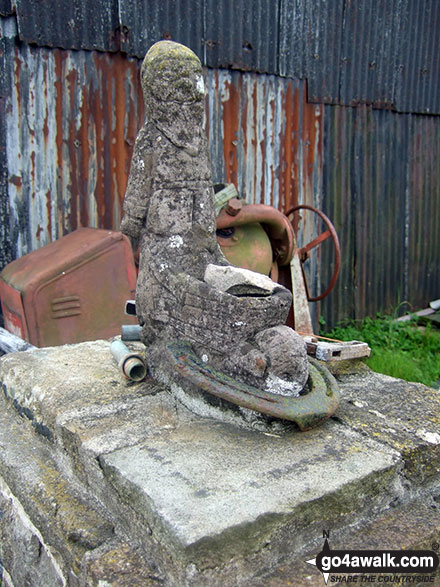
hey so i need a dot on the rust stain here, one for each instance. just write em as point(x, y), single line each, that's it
point(288, 188)
point(59, 138)
point(72, 145)
point(254, 142)
point(119, 153)
point(49, 211)
point(231, 125)
point(107, 97)
point(16, 180)
point(83, 150)
point(274, 139)
point(40, 230)
point(17, 77)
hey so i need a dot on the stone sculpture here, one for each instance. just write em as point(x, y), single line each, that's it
point(232, 320)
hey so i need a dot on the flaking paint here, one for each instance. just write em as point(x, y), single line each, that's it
point(271, 136)
point(71, 119)
point(73, 116)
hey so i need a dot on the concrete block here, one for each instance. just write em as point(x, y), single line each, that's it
point(405, 416)
point(66, 378)
point(213, 493)
point(68, 518)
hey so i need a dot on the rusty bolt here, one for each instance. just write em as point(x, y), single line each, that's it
point(234, 206)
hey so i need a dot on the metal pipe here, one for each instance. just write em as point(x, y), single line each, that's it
point(131, 332)
point(131, 364)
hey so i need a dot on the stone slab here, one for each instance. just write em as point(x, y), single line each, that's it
point(121, 565)
point(215, 492)
point(68, 519)
point(414, 526)
point(221, 502)
point(403, 415)
point(45, 384)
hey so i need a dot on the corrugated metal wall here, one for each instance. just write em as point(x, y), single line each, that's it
point(382, 190)
point(265, 138)
point(309, 101)
point(72, 122)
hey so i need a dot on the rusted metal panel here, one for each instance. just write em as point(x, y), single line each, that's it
point(265, 138)
point(311, 45)
point(242, 34)
point(390, 55)
point(423, 210)
point(381, 189)
point(144, 23)
point(49, 297)
point(69, 24)
point(378, 52)
point(418, 88)
point(381, 52)
point(371, 52)
point(72, 119)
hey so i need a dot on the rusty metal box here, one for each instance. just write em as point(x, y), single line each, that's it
point(71, 290)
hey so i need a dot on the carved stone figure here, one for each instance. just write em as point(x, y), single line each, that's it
point(186, 289)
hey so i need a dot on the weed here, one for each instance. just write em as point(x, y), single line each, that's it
point(400, 349)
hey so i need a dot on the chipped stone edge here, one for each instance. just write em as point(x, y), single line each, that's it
point(27, 523)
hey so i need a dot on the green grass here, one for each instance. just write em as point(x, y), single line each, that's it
point(400, 349)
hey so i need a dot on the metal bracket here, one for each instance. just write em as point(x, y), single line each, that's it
point(336, 351)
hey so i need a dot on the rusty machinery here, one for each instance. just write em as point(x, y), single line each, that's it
point(263, 239)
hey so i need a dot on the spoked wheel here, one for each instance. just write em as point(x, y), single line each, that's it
point(304, 251)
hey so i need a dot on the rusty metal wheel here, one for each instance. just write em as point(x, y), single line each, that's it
point(304, 251)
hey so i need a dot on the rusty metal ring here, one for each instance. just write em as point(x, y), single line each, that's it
point(304, 251)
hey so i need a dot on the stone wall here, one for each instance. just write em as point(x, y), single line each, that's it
point(106, 482)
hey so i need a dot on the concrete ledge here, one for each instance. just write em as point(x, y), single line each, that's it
point(57, 514)
point(409, 527)
point(402, 415)
point(112, 476)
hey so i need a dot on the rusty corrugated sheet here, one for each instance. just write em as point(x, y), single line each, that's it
point(378, 52)
point(242, 34)
point(418, 89)
point(365, 197)
point(144, 23)
point(70, 24)
point(382, 190)
point(265, 137)
point(72, 119)
point(424, 210)
point(311, 45)
point(371, 52)
point(381, 52)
